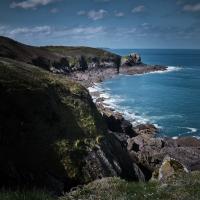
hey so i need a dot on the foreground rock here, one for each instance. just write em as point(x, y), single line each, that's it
point(170, 167)
point(151, 151)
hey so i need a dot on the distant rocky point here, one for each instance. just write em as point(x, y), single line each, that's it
point(131, 60)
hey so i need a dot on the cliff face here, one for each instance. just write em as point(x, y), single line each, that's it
point(51, 134)
point(59, 59)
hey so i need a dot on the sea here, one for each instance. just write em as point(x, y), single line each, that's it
point(170, 100)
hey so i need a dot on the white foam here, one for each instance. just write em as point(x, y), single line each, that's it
point(113, 101)
point(197, 137)
point(175, 137)
point(169, 69)
point(191, 130)
point(161, 117)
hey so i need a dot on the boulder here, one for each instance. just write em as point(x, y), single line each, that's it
point(151, 151)
point(170, 167)
point(146, 129)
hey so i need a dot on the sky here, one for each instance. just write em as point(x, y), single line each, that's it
point(103, 23)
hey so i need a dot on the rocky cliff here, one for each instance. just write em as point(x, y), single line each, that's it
point(51, 133)
point(59, 59)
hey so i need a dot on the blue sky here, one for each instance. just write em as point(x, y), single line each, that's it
point(103, 23)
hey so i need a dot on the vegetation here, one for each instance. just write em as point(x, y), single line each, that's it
point(60, 59)
point(84, 51)
point(48, 124)
point(182, 187)
point(25, 195)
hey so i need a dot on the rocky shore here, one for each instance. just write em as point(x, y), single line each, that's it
point(54, 136)
point(143, 146)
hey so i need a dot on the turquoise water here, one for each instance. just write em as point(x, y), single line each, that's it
point(170, 100)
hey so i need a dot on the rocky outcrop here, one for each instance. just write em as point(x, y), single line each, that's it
point(170, 167)
point(149, 152)
point(131, 60)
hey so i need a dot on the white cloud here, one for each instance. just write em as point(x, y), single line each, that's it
point(138, 9)
point(28, 4)
point(119, 14)
point(96, 15)
point(52, 32)
point(93, 14)
point(54, 10)
point(43, 30)
point(192, 7)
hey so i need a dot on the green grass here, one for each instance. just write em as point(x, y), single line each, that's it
point(43, 115)
point(75, 51)
point(25, 195)
point(182, 187)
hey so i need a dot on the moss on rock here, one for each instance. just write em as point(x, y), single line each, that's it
point(45, 119)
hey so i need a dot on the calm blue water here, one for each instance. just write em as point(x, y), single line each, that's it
point(171, 100)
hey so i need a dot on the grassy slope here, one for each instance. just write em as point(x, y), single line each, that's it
point(51, 54)
point(74, 51)
point(181, 187)
point(46, 120)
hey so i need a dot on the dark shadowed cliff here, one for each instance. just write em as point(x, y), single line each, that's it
point(51, 134)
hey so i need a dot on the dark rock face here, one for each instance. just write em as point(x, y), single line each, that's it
point(112, 159)
point(49, 123)
point(42, 62)
point(61, 66)
point(51, 133)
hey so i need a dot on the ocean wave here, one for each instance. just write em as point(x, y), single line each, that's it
point(95, 88)
point(191, 130)
point(169, 69)
point(113, 102)
point(197, 137)
point(164, 117)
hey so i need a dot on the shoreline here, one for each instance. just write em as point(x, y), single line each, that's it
point(102, 99)
point(143, 145)
point(91, 76)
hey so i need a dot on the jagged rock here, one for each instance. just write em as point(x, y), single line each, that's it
point(112, 159)
point(61, 66)
point(146, 129)
point(117, 123)
point(131, 60)
point(170, 167)
point(153, 150)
